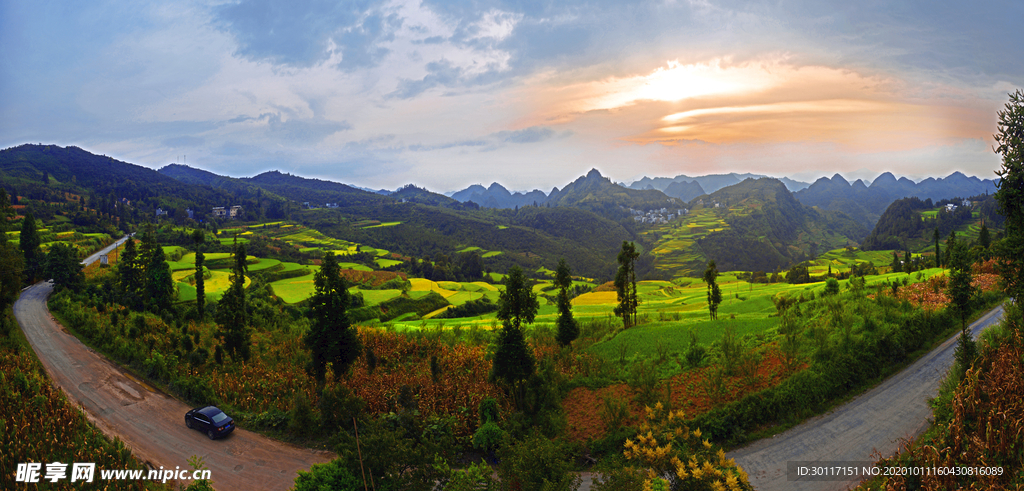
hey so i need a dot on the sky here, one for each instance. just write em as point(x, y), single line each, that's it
point(449, 93)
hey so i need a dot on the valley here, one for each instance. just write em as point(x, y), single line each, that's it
point(812, 308)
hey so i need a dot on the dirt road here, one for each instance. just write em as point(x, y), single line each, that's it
point(149, 422)
point(875, 420)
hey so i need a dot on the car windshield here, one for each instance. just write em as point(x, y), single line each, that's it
point(220, 418)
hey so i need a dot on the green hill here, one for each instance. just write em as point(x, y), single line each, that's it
point(756, 225)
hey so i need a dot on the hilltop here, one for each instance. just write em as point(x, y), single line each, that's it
point(756, 225)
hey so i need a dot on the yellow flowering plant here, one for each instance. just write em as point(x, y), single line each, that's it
point(676, 457)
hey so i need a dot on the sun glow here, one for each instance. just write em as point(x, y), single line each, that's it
point(676, 82)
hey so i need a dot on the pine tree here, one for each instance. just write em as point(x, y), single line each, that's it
point(1010, 193)
point(983, 237)
point(938, 252)
point(714, 292)
point(961, 293)
point(158, 286)
point(514, 360)
point(200, 238)
point(10, 261)
point(625, 285)
point(62, 265)
point(568, 330)
point(232, 311)
point(129, 275)
point(29, 244)
point(330, 338)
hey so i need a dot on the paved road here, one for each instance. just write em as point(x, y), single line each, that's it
point(875, 420)
point(151, 423)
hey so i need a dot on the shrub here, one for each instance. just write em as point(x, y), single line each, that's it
point(537, 463)
point(331, 475)
point(301, 421)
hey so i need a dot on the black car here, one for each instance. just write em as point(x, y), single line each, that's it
point(211, 420)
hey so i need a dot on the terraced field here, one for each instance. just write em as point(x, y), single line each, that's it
point(676, 249)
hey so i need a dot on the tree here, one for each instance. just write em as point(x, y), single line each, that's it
point(568, 330)
point(200, 238)
point(29, 244)
point(513, 360)
point(938, 253)
point(62, 265)
point(10, 261)
point(625, 285)
point(330, 338)
point(1010, 193)
point(983, 236)
point(129, 275)
point(158, 286)
point(714, 293)
point(950, 244)
point(232, 311)
point(961, 293)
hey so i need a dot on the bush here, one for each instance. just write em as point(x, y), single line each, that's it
point(301, 421)
point(193, 390)
point(332, 476)
point(537, 463)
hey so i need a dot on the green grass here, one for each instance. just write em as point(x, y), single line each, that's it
point(293, 290)
point(386, 263)
point(355, 266)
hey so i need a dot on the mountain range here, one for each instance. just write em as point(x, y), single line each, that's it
point(866, 203)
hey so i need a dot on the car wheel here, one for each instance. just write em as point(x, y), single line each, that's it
point(209, 433)
point(188, 423)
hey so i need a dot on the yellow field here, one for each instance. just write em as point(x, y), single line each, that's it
point(596, 298)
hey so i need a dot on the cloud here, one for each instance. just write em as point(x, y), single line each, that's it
point(304, 33)
point(184, 141)
point(532, 134)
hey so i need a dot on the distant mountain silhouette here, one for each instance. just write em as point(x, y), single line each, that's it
point(710, 183)
point(865, 204)
point(685, 191)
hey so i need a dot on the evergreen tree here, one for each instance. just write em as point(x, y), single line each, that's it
point(983, 237)
point(200, 238)
point(232, 311)
point(568, 330)
point(330, 338)
point(961, 293)
point(10, 261)
point(29, 244)
point(1010, 193)
point(625, 285)
point(158, 286)
point(950, 244)
point(938, 253)
point(714, 293)
point(513, 360)
point(129, 275)
point(62, 265)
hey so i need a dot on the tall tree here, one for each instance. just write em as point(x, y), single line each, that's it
point(158, 285)
point(938, 253)
point(714, 293)
point(625, 284)
point(10, 261)
point(961, 293)
point(29, 244)
point(950, 244)
point(568, 330)
point(199, 237)
point(513, 360)
point(232, 311)
point(983, 236)
point(62, 265)
point(129, 275)
point(330, 338)
point(1010, 193)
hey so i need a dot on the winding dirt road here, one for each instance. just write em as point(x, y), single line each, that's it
point(875, 420)
point(150, 422)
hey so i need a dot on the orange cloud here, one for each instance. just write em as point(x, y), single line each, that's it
point(758, 102)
